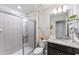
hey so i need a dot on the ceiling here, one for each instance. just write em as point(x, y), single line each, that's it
point(28, 8)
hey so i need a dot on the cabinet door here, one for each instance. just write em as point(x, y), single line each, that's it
point(64, 53)
point(55, 49)
point(52, 51)
point(76, 51)
point(57, 52)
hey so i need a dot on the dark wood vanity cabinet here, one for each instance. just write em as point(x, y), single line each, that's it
point(56, 49)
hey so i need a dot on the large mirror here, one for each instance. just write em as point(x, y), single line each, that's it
point(58, 24)
point(64, 24)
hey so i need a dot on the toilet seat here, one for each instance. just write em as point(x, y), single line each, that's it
point(38, 51)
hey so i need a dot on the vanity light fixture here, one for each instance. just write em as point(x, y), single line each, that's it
point(55, 11)
point(64, 9)
point(59, 10)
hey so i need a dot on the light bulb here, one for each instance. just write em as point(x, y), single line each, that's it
point(59, 10)
point(25, 20)
point(64, 8)
point(55, 11)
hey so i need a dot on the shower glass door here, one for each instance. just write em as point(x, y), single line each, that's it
point(17, 37)
point(10, 34)
point(28, 36)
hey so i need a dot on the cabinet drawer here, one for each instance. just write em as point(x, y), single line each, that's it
point(52, 51)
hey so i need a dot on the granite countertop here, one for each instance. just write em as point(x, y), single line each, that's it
point(64, 42)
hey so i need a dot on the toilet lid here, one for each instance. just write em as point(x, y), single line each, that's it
point(38, 50)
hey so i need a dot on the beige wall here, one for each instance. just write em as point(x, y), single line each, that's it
point(42, 19)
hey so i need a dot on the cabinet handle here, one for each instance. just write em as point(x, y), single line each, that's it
point(59, 53)
point(76, 54)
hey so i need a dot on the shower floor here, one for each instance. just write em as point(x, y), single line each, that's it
point(27, 50)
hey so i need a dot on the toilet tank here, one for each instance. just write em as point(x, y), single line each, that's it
point(42, 43)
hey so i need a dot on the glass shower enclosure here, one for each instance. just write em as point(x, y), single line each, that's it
point(17, 35)
point(29, 36)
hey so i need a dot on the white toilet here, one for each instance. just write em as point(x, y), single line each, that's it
point(39, 50)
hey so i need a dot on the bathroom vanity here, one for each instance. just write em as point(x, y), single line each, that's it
point(60, 47)
point(64, 34)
